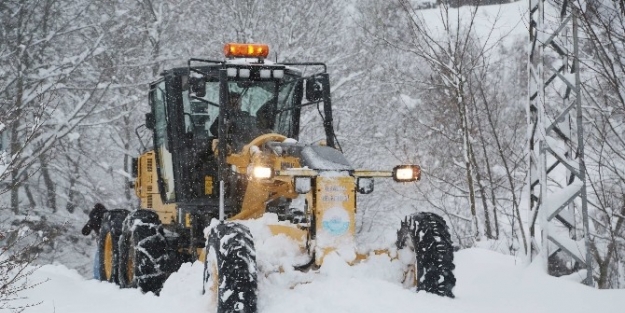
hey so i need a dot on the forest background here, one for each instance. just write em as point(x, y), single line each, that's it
point(412, 82)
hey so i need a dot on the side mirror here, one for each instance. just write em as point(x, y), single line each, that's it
point(198, 86)
point(314, 89)
point(149, 121)
point(365, 185)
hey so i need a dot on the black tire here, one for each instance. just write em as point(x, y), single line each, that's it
point(230, 268)
point(108, 250)
point(143, 252)
point(428, 235)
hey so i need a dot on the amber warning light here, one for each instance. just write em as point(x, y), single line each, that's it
point(245, 50)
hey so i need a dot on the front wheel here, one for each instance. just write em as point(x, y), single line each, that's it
point(230, 270)
point(426, 234)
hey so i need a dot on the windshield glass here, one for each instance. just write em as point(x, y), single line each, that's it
point(254, 96)
point(267, 105)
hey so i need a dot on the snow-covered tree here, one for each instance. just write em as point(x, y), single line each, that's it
point(445, 76)
point(44, 49)
point(603, 71)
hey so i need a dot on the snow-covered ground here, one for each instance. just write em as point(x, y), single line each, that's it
point(492, 24)
point(487, 282)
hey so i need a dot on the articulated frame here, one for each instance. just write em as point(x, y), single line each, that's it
point(555, 136)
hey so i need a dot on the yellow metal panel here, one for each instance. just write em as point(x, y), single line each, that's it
point(292, 232)
point(286, 162)
point(361, 257)
point(201, 254)
point(187, 220)
point(256, 195)
point(146, 188)
point(335, 213)
point(335, 205)
point(208, 185)
point(259, 192)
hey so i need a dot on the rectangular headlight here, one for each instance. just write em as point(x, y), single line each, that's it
point(265, 73)
point(278, 73)
point(231, 71)
point(244, 73)
point(262, 172)
point(406, 173)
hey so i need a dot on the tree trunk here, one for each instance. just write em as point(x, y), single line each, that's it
point(515, 206)
point(467, 154)
point(15, 185)
point(496, 220)
point(50, 184)
point(15, 176)
point(74, 177)
point(487, 226)
point(15, 140)
point(490, 179)
point(70, 206)
point(29, 194)
point(602, 266)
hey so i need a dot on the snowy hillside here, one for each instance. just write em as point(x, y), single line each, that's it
point(487, 282)
point(389, 109)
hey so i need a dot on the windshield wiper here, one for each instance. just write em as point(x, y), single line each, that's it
point(205, 101)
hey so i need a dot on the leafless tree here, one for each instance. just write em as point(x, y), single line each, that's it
point(602, 59)
point(454, 110)
point(37, 69)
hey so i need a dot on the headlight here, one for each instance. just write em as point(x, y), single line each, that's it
point(278, 73)
point(265, 73)
point(262, 172)
point(406, 173)
point(244, 73)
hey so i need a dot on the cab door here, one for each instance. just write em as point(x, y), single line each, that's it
point(164, 160)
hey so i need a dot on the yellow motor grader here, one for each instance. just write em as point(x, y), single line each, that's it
point(225, 148)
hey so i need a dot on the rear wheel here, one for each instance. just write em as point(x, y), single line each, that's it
point(230, 271)
point(428, 236)
point(143, 252)
point(108, 251)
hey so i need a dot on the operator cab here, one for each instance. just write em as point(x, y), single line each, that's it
point(238, 99)
point(260, 105)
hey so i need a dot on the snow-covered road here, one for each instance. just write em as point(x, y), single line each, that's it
point(487, 282)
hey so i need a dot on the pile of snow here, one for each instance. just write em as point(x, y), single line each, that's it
point(487, 282)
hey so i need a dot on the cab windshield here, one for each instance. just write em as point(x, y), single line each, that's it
point(269, 105)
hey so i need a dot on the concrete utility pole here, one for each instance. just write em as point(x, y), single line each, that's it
point(557, 180)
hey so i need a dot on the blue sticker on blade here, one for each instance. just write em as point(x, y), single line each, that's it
point(336, 221)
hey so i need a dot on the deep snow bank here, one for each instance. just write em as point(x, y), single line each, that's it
point(487, 282)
